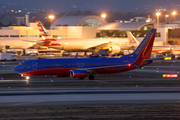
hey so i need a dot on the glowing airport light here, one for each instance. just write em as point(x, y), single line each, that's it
point(51, 16)
point(103, 16)
point(166, 16)
point(174, 13)
point(158, 14)
point(170, 75)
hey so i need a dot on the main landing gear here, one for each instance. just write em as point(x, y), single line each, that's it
point(81, 78)
point(91, 77)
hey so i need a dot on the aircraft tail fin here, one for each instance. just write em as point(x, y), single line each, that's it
point(76, 56)
point(132, 40)
point(42, 29)
point(143, 51)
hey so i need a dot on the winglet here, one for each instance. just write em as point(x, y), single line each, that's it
point(76, 56)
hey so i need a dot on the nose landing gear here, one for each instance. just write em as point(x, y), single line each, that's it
point(91, 77)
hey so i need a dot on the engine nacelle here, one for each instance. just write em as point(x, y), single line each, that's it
point(115, 49)
point(78, 74)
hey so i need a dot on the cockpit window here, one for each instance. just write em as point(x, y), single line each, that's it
point(22, 64)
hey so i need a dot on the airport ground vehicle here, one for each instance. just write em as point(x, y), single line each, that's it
point(160, 57)
point(171, 55)
point(178, 56)
point(83, 67)
point(7, 56)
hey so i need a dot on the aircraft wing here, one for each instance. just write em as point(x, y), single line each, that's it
point(94, 46)
point(34, 41)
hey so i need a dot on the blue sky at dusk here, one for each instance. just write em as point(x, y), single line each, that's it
point(94, 5)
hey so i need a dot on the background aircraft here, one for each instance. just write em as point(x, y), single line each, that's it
point(114, 45)
point(83, 67)
point(161, 49)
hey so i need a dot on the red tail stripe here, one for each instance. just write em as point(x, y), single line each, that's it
point(40, 30)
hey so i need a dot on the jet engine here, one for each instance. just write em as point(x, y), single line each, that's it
point(78, 74)
point(115, 49)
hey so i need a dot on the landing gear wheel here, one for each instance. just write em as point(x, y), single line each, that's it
point(91, 77)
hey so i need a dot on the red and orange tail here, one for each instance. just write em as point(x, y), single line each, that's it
point(42, 29)
point(143, 51)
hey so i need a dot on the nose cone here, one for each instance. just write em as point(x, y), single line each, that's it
point(16, 69)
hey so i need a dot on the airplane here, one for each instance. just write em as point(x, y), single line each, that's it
point(114, 45)
point(95, 44)
point(157, 49)
point(87, 67)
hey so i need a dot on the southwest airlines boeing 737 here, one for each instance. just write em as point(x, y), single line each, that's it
point(87, 67)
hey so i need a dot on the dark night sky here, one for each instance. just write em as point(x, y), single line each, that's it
point(94, 5)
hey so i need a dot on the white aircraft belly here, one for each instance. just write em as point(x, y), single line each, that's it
point(15, 43)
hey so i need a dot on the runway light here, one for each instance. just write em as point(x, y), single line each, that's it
point(52, 81)
point(136, 85)
point(157, 68)
point(25, 58)
point(129, 76)
point(9, 87)
point(171, 64)
point(2, 78)
point(170, 75)
point(157, 71)
point(3, 65)
point(177, 72)
point(174, 61)
point(142, 67)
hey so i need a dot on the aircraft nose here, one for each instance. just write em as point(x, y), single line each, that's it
point(16, 69)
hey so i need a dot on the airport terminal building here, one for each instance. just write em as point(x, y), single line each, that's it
point(94, 27)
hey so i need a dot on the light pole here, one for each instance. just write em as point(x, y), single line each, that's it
point(166, 16)
point(158, 14)
point(103, 16)
point(174, 13)
point(51, 17)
